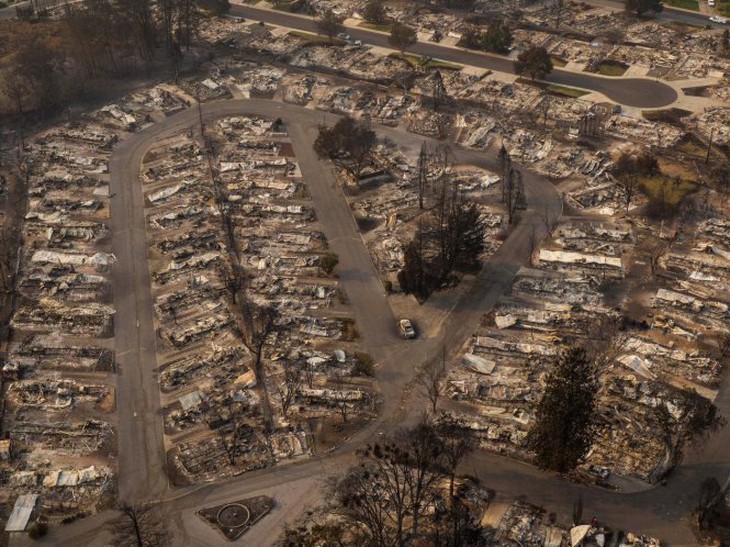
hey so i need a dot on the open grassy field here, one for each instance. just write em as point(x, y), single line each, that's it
point(669, 189)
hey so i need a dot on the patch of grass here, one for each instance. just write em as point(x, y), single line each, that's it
point(426, 62)
point(724, 9)
point(668, 189)
point(672, 116)
point(612, 68)
point(443, 65)
point(685, 4)
point(566, 91)
point(289, 7)
point(558, 62)
point(312, 38)
point(382, 27)
point(685, 28)
point(692, 147)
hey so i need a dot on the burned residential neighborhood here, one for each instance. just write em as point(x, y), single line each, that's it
point(372, 273)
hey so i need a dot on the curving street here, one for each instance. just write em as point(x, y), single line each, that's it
point(661, 511)
point(637, 92)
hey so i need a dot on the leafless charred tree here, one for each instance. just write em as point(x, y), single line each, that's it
point(233, 431)
point(340, 397)
point(513, 193)
point(457, 441)
point(699, 417)
point(505, 162)
point(656, 253)
point(439, 90)
point(628, 183)
point(288, 388)
point(234, 280)
point(309, 373)
point(430, 379)
point(548, 220)
point(393, 484)
point(422, 172)
point(140, 525)
point(258, 325)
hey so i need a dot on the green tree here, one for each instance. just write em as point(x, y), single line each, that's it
point(563, 428)
point(534, 62)
point(402, 37)
point(374, 12)
point(412, 278)
point(348, 144)
point(642, 7)
point(497, 38)
point(471, 37)
point(328, 262)
point(330, 24)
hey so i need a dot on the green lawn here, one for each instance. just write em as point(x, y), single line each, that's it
point(724, 8)
point(673, 191)
point(684, 4)
point(382, 27)
point(566, 91)
point(612, 68)
point(418, 61)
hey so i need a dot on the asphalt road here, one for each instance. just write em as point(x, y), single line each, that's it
point(667, 14)
point(139, 427)
point(637, 92)
point(661, 511)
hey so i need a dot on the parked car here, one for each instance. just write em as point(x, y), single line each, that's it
point(406, 329)
point(720, 19)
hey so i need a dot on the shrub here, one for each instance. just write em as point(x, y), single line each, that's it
point(37, 530)
point(328, 262)
point(364, 365)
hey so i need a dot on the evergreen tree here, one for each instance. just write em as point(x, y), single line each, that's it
point(330, 24)
point(402, 37)
point(497, 38)
point(563, 429)
point(644, 6)
point(374, 12)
